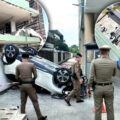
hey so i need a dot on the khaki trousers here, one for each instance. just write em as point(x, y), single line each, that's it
point(106, 93)
point(75, 91)
point(28, 90)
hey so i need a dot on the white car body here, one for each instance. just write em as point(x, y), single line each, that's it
point(3, 78)
point(51, 76)
point(44, 79)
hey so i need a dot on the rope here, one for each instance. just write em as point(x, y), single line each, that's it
point(11, 83)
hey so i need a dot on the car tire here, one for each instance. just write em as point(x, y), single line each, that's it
point(62, 76)
point(31, 51)
point(10, 52)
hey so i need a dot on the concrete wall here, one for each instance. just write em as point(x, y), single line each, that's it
point(82, 51)
point(89, 27)
point(89, 32)
point(61, 56)
point(55, 56)
point(87, 36)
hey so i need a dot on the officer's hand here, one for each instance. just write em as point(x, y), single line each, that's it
point(81, 81)
point(33, 81)
point(88, 92)
point(20, 81)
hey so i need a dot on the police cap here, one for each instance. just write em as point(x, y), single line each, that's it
point(105, 47)
point(78, 55)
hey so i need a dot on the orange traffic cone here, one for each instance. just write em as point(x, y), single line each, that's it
point(103, 109)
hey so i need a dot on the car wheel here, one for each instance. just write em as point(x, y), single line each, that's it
point(62, 76)
point(10, 52)
point(31, 51)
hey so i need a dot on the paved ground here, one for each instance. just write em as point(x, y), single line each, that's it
point(57, 109)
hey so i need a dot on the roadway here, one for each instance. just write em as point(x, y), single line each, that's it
point(57, 109)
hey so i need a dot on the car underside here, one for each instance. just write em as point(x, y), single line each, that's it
point(52, 77)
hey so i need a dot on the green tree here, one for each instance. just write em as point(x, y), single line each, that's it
point(60, 45)
point(74, 49)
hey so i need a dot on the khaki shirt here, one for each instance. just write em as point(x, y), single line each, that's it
point(76, 69)
point(25, 70)
point(102, 70)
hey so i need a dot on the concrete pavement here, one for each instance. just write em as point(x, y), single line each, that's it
point(57, 109)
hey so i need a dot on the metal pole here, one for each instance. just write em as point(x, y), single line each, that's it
point(79, 22)
point(81, 19)
point(79, 27)
point(26, 35)
point(86, 61)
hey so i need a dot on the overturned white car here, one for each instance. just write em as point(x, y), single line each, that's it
point(51, 76)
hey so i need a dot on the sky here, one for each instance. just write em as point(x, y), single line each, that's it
point(46, 21)
point(63, 16)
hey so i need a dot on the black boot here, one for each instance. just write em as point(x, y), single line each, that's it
point(68, 102)
point(43, 118)
point(78, 101)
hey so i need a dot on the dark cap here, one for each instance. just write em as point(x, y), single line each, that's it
point(78, 55)
point(25, 55)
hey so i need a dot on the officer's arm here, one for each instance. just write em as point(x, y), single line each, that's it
point(17, 73)
point(77, 71)
point(115, 69)
point(92, 74)
point(73, 68)
point(81, 73)
point(34, 72)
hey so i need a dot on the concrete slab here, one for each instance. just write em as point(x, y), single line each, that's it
point(10, 113)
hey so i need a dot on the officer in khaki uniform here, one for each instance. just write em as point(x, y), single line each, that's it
point(101, 72)
point(76, 79)
point(24, 73)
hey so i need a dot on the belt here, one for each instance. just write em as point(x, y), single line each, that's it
point(103, 84)
point(27, 82)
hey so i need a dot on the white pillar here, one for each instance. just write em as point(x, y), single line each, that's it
point(89, 28)
point(62, 56)
point(89, 32)
point(13, 26)
point(55, 56)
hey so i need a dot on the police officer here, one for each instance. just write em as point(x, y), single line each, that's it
point(24, 73)
point(76, 79)
point(101, 72)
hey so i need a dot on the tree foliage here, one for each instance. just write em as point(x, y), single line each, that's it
point(74, 49)
point(60, 45)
